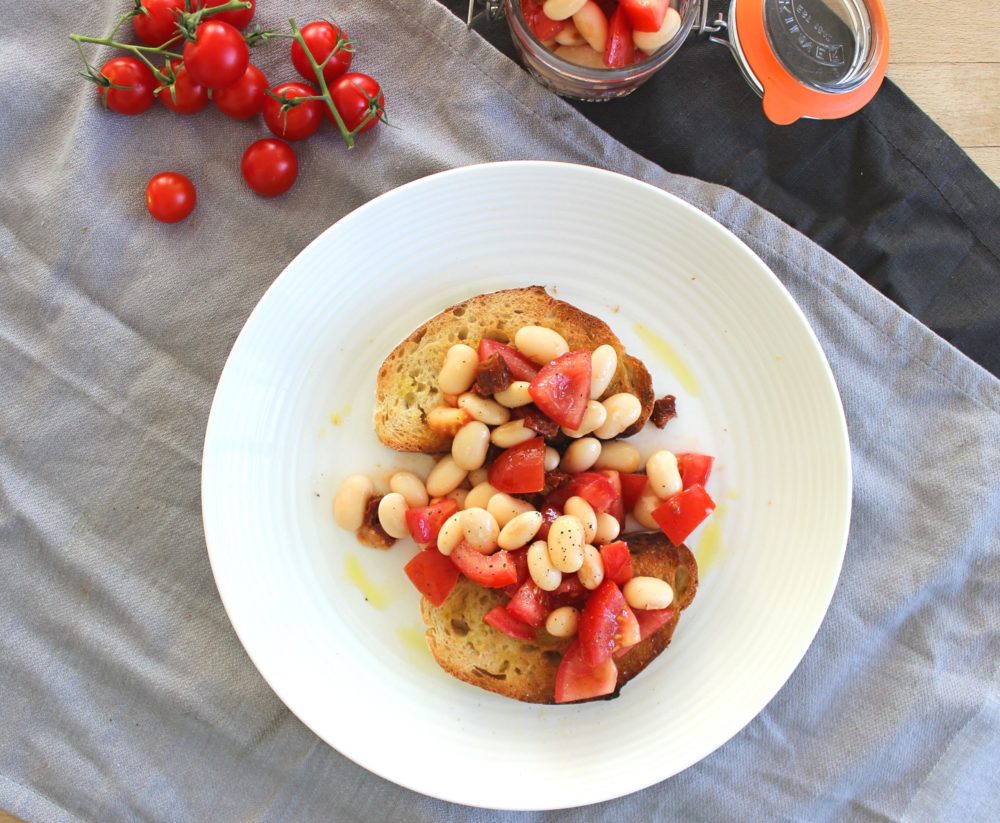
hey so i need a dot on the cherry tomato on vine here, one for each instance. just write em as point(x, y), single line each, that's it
point(245, 98)
point(235, 17)
point(293, 121)
point(218, 56)
point(270, 167)
point(357, 96)
point(189, 97)
point(156, 21)
point(136, 81)
point(170, 196)
point(322, 38)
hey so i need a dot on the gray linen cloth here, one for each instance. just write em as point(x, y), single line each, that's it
point(124, 693)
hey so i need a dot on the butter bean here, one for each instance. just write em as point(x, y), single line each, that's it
point(351, 501)
point(461, 364)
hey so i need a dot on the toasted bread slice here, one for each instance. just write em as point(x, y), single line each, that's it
point(407, 390)
point(475, 652)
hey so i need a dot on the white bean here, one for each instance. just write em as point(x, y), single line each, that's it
point(351, 501)
point(650, 41)
point(511, 433)
point(593, 418)
point(565, 542)
point(516, 394)
point(450, 534)
point(664, 476)
point(461, 364)
point(593, 25)
point(540, 567)
point(581, 56)
point(480, 495)
point(520, 530)
point(505, 508)
point(623, 410)
point(445, 477)
point(648, 593)
point(581, 455)
point(483, 409)
point(411, 487)
point(392, 515)
point(561, 10)
point(563, 622)
point(620, 456)
point(470, 445)
point(478, 476)
point(447, 420)
point(551, 459)
point(643, 511)
point(608, 529)
point(591, 572)
point(458, 495)
point(539, 343)
point(569, 36)
point(603, 364)
point(480, 530)
point(584, 512)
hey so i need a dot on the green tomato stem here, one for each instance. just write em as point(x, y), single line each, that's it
point(345, 133)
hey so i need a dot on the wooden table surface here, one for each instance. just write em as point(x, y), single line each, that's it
point(946, 57)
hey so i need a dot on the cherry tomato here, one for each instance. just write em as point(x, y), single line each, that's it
point(694, 468)
point(240, 18)
point(617, 561)
point(597, 488)
point(269, 167)
point(576, 680)
point(293, 121)
point(650, 622)
point(520, 469)
point(502, 620)
point(322, 38)
point(645, 15)
point(493, 571)
point(170, 196)
point(188, 97)
point(562, 388)
point(633, 485)
point(521, 368)
point(136, 80)
point(619, 49)
point(682, 513)
point(218, 56)
point(245, 98)
point(530, 604)
point(156, 22)
point(606, 624)
point(541, 26)
point(357, 97)
point(433, 574)
point(425, 522)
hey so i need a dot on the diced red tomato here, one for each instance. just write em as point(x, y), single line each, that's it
point(521, 368)
point(607, 623)
point(520, 561)
point(425, 522)
point(616, 508)
point(562, 388)
point(530, 604)
point(595, 487)
point(682, 513)
point(494, 571)
point(694, 468)
point(541, 26)
point(645, 15)
point(570, 592)
point(520, 469)
point(619, 49)
point(549, 514)
point(578, 680)
point(633, 485)
point(502, 620)
point(433, 574)
point(617, 562)
point(650, 622)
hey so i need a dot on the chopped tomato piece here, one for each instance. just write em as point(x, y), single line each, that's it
point(541, 26)
point(520, 469)
point(530, 604)
point(650, 622)
point(607, 623)
point(502, 620)
point(633, 485)
point(645, 15)
point(616, 508)
point(570, 592)
point(617, 562)
point(521, 368)
point(433, 574)
point(595, 487)
point(682, 513)
point(425, 522)
point(494, 571)
point(619, 49)
point(694, 469)
point(549, 514)
point(578, 680)
point(562, 388)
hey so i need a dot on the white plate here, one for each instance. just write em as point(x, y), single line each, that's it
point(292, 417)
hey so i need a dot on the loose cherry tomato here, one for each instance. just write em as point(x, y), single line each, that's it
point(520, 469)
point(543, 27)
point(245, 98)
point(562, 388)
point(521, 368)
point(619, 48)
point(425, 522)
point(358, 99)
point(136, 81)
point(240, 18)
point(170, 196)
point(218, 56)
point(494, 571)
point(269, 167)
point(682, 513)
point(188, 96)
point(645, 15)
point(617, 561)
point(156, 21)
point(530, 604)
point(323, 39)
point(606, 624)
point(694, 468)
point(578, 680)
point(502, 620)
point(433, 574)
point(289, 119)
